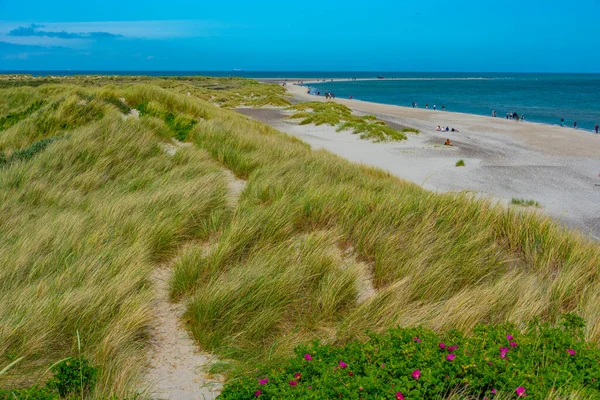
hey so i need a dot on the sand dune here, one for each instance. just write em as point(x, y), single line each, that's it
point(505, 159)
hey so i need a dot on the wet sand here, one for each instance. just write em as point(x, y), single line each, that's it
point(505, 159)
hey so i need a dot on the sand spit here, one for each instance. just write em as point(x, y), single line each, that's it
point(505, 159)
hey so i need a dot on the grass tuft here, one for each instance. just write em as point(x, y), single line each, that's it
point(335, 114)
point(525, 202)
point(460, 163)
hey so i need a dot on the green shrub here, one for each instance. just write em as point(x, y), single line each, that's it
point(524, 202)
point(413, 130)
point(28, 152)
point(460, 163)
point(73, 377)
point(180, 125)
point(419, 364)
point(11, 119)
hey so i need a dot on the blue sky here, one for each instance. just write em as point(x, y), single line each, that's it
point(307, 35)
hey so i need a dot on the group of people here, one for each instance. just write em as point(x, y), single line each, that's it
point(512, 115)
point(329, 95)
point(446, 129)
point(416, 105)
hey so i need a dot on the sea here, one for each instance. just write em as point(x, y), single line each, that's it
point(544, 98)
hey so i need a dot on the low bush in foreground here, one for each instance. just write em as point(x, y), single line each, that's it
point(73, 377)
point(460, 163)
point(494, 362)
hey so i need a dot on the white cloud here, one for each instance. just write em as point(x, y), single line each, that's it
point(129, 29)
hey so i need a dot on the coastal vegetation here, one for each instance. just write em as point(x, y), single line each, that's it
point(340, 116)
point(316, 248)
point(460, 163)
point(525, 202)
point(501, 361)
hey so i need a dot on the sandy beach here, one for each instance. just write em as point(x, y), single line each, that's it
point(505, 159)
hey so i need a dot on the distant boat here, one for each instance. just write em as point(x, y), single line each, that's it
point(237, 70)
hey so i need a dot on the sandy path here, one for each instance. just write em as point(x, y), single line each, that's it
point(177, 367)
point(558, 167)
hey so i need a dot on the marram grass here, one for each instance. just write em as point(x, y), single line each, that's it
point(87, 218)
point(340, 116)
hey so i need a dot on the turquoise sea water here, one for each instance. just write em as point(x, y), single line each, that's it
point(542, 98)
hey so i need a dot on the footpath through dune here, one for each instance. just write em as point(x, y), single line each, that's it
point(177, 366)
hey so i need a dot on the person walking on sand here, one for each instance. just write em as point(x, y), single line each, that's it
point(443, 107)
point(434, 107)
point(562, 122)
point(522, 117)
point(427, 106)
point(596, 128)
point(575, 125)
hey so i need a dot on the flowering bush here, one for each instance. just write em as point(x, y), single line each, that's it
point(416, 363)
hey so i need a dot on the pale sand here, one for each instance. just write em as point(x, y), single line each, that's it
point(558, 167)
point(177, 366)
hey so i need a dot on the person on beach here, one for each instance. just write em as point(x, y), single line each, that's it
point(562, 122)
point(522, 117)
point(443, 107)
point(434, 107)
point(350, 97)
point(439, 129)
point(575, 125)
point(597, 128)
point(506, 115)
point(427, 106)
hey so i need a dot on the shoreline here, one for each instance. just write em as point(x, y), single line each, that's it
point(511, 127)
point(555, 166)
point(316, 81)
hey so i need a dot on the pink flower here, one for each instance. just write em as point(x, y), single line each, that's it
point(293, 383)
point(442, 346)
point(452, 348)
point(307, 357)
point(298, 376)
point(263, 381)
point(520, 391)
point(416, 339)
point(309, 387)
point(490, 363)
point(450, 357)
point(571, 352)
point(257, 393)
point(416, 374)
point(509, 337)
point(399, 396)
point(494, 391)
point(382, 365)
point(513, 344)
point(343, 364)
point(503, 352)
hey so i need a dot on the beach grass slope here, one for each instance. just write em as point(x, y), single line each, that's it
point(316, 248)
